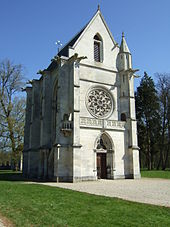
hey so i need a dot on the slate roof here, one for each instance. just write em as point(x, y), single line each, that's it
point(52, 66)
point(64, 50)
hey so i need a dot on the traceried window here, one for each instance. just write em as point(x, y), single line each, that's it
point(99, 102)
point(98, 48)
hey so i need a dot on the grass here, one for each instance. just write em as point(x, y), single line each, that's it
point(37, 205)
point(156, 174)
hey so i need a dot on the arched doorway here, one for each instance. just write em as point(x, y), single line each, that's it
point(104, 156)
point(101, 166)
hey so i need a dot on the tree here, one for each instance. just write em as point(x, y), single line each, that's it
point(163, 87)
point(148, 118)
point(11, 109)
point(5, 158)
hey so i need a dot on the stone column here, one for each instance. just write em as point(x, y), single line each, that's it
point(46, 111)
point(41, 164)
point(76, 123)
point(35, 119)
point(21, 162)
point(136, 167)
point(56, 162)
point(29, 164)
point(35, 129)
point(28, 118)
point(133, 130)
point(45, 152)
point(95, 163)
point(27, 130)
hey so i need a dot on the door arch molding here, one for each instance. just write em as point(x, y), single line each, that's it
point(107, 142)
point(104, 156)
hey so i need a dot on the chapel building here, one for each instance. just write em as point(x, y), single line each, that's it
point(80, 115)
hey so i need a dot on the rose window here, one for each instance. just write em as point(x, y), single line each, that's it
point(99, 102)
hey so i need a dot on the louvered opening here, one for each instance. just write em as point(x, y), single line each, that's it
point(97, 51)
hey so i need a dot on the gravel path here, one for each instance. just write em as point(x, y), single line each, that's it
point(151, 191)
point(1, 224)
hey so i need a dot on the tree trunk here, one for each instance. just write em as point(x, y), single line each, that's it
point(166, 159)
point(160, 160)
point(149, 161)
point(167, 152)
point(152, 161)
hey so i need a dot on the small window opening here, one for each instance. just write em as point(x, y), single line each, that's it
point(98, 49)
point(123, 78)
point(123, 117)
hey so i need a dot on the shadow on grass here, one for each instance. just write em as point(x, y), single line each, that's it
point(9, 175)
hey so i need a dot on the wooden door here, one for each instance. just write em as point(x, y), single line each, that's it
point(101, 166)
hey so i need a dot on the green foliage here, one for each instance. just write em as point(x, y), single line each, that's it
point(153, 116)
point(37, 205)
point(12, 109)
point(147, 98)
point(163, 87)
point(149, 120)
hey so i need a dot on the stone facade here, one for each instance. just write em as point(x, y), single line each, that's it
point(80, 115)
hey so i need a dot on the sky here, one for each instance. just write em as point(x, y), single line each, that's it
point(29, 30)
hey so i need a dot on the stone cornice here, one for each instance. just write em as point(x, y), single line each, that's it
point(98, 82)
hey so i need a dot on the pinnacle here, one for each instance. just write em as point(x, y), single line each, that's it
point(124, 46)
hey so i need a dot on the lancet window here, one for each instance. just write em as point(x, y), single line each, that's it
point(98, 48)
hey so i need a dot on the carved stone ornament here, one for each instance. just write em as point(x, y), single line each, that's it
point(99, 102)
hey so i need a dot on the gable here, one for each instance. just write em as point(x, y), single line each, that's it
point(95, 17)
point(84, 45)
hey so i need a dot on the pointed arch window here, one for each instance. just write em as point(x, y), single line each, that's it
point(98, 48)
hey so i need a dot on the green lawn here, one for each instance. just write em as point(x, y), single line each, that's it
point(37, 205)
point(156, 174)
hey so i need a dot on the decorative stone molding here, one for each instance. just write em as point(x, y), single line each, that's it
point(76, 145)
point(42, 72)
point(86, 122)
point(101, 151)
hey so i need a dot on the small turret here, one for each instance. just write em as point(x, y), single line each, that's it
point(124, 56)
point(124, 47)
